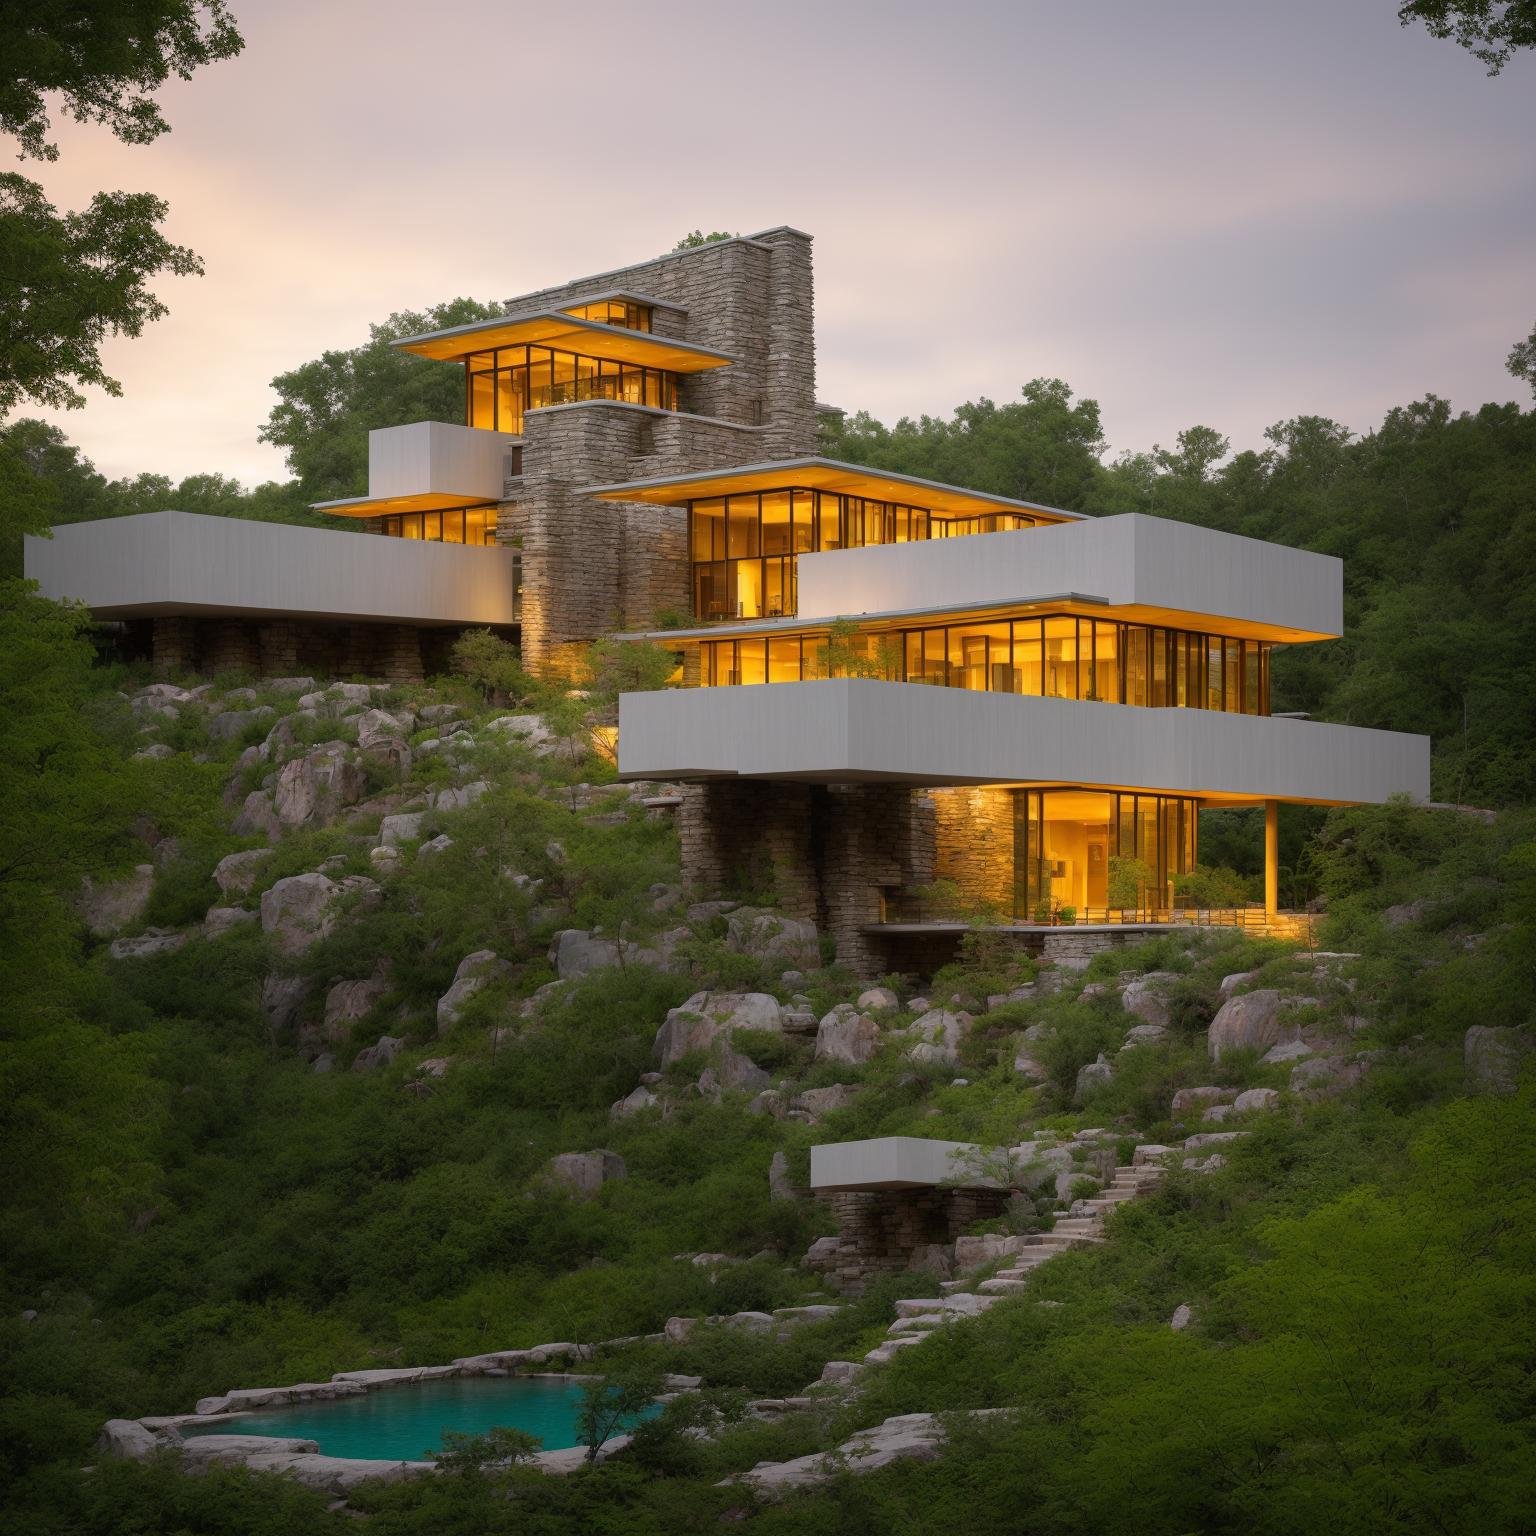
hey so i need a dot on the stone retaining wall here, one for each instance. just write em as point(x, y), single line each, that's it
point(880, 1231)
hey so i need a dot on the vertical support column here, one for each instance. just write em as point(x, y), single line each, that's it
point(1271, 858)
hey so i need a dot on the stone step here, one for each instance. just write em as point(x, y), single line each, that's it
point(1002, 1285)
point(925, 1322)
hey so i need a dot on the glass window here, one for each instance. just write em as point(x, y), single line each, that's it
point(707, 519)
point(1159, 693)
point(1001, 675)
point(482, 403)
point(1233, 674)
point(1213, 688)
point(776, 523)
point(453, 527)
point(784, 660)
point(1028, 656)
point(804, 508)
point(752, 660)
point(741, 528)
point(1061, 658)
point(778, 587)
point(432, 526)
point(1251, 693)
point(1137, 668)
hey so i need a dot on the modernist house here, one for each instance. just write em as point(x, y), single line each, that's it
point(887, 682)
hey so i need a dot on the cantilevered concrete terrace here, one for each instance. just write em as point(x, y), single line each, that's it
point(185, 563)
point(844, 730)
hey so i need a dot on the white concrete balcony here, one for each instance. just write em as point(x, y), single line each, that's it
point(183, 562)
point(1149, 569)
point(897, 1162)
point(427, 465)
point(851, 730)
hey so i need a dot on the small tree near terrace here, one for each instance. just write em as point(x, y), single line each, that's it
point(613, 1401)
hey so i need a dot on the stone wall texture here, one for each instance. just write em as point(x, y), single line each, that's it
point(590, 566)
point(879, 1230)
point(973, 843)
point(396, 653)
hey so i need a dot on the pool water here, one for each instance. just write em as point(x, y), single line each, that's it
point(407, 1423)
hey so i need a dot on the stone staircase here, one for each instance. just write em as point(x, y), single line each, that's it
point(918, 1316)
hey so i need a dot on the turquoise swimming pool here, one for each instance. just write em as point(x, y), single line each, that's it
point(407, 1423)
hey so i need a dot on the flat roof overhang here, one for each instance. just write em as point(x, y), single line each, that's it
point(897, 1162)
point(555, 328)
point(819, 474)
point(388, 506)
point(857, 730)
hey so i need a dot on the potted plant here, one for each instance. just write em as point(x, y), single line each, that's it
point(1066, 916)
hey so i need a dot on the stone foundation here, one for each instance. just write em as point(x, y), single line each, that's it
point(394, 653)
point(880, 1231)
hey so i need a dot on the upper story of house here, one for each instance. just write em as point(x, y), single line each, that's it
point(701, 356)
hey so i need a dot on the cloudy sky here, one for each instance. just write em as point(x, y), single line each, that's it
point(1211, 211)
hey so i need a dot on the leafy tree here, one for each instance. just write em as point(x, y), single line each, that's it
point(492, 664)
point(1522, 360)
point(495, 1450)
point(1044, 447)
point(697, 237)
point(72, 279)
point(848, 652)
point(327, 407)
point(612, 1402)
point(1490, 30)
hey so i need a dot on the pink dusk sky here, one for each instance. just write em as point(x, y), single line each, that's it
point(1204, 211)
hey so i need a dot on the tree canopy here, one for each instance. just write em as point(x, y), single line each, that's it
point(1490, 30)
point(72, 279)
point(327, 407)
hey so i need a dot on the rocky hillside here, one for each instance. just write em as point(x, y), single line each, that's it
point(384, 1036)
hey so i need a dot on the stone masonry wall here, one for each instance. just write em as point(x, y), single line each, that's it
point(880, 1230)
point(752, 297)
point(826, 853)
point(973, 843)
point(401, 653)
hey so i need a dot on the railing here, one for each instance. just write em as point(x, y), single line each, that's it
point(908, 907)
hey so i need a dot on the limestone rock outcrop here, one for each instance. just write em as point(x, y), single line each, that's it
point(583, 1174)
point(847, 1034)
point(707, 1016)
point(1249, 1021)
point(1493, 1058)
point(117, 904)
point(474, 972)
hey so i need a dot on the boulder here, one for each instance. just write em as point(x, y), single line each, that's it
point(1187, 1099)
point(583, 1174)
point(142, 946)
point(221, 920)
point(1255, 1098)
point(461, 797)
point(257, 815)
point(1091, 1077)
point(1211, 1138)
point(780, 1185)
point(289, 686)
point(1143, 1034)
point(1250, 1021)
point(817, 1102)
point(473, 973)
point(936, 1037)
point(1230, 984)
point(1147, 997)
point(155, 752)
point(299, 910)
point(573, 952)
point(823, 1253)
point(1214, 1114)
point(731, 1072)
point(772, 936)
point(528, 729)
point(236, 873)
point(233, 723)
point(1493, 1057)
point(126, 1437)
point(706, 1016)
point(878, 997)
point(798, 1021)
point(1150, 1154)
point(1182, 1317)
point(281, 999)
point(639, 1098)
point(349, 1002)
point(971, 1252)
point(405, 827)
point(435, 845)
point(907, 1437)
point(1287, 1050)
point(379, 1054)
point(839, 1373)
point(846, 1034)
point(381, 736)
point(311, 790)
point(1026, 1065)
point(109, 908)
point(385, 861)
point(1323, 1075)
point(1404, 913)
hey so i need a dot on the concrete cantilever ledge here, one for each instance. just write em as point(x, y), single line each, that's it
point(1130, 561)
point(849, 730)
point(894, 1162)
point(184, 562)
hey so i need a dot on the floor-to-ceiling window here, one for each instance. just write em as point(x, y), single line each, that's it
point(501, 384)
point(459, 525)
point(1058, 656)
point(1095, 851)
point(744, 548)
